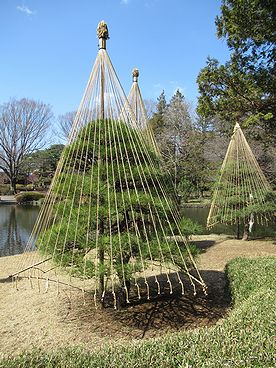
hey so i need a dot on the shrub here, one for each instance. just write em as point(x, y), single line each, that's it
point(5, 189)
point(27, 197)
point(24, 188)
point(188, 228)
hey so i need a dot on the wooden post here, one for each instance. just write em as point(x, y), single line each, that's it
point(102, 32)
point(135, 75)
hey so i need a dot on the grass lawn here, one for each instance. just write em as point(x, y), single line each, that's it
point(244, 339)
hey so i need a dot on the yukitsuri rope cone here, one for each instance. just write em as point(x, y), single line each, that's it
point(106, 226)
point(242, 193)
point(137, 104)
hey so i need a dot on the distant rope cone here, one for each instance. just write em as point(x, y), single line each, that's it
point(242, 192)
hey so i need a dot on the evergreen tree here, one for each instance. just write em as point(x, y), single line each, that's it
point(242, 194)
point(243, 89)
point(157, 121)
point(110, 215)
point(182, 143)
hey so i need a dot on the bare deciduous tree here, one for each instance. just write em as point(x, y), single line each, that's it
point(65, 123)
point(150, 106)
point(174, 136)
point(23, 125)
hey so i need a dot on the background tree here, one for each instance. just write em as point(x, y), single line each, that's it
point(243, 89)
point(182, 140)
point(65, 123)
point(175, 134)
point(23, 126)
point(43, 162)
point(157, 120)
point(150, 106)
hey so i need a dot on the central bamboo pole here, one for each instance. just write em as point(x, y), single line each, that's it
point(102, 32)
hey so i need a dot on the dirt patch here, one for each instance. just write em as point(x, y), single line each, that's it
point(48, 320)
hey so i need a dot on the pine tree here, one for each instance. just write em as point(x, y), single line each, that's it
point(242, 193)
point(115, 200)
point(157, 121)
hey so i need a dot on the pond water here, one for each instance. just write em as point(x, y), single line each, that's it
point(200, 215)
point(16, 223)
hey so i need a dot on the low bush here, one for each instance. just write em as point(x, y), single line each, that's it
point(5, 189)
point(24, 188)
point(27, 197)
point(243, 340)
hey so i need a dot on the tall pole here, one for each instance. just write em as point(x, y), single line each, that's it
point(135, 75)
point(102, 32)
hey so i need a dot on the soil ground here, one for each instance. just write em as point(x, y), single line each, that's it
point(29, 319)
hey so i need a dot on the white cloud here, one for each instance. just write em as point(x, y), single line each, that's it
point(26, 10)
point(125, 2)
point(158, 86)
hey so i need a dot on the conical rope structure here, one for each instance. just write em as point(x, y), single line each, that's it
point(242, 193)
point(137, 104)
point(107, 225)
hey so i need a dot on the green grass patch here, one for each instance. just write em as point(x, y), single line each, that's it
point(244, 339)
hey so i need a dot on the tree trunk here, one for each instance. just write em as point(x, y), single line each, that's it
point(238, 229)
point(101, 276)
point(248, 227)
point(246, 232)
point(13, 185)
point(121, 295)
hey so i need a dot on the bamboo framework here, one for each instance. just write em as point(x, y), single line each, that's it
point(242, 191)
point(108, 221)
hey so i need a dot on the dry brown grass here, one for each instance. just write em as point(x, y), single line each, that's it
point(30, 319)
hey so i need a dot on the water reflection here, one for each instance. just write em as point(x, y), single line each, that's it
point(16, 223)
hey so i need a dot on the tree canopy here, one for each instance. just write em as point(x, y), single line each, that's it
point(110, 206)
point(243, 88)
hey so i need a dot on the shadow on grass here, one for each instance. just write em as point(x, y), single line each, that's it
point(162, 313)
point(203, 244)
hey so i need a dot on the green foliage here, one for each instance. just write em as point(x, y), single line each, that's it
point(184, 188)
point(43, 162)
point(24, 188)
point(255, 33)
point(29, 197)
point(109, 200)
point(235, 201)
point(157, 121)
point(181, 144)
point(5, 189)
point(243, 89)
point(188, 227)
point(242, 340)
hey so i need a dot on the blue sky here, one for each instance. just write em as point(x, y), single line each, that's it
point(48, 47)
